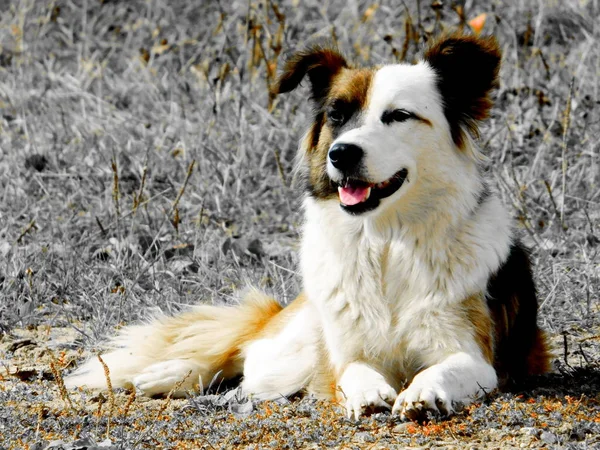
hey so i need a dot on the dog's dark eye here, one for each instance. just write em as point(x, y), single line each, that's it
point(396, 115)
point(336, 116)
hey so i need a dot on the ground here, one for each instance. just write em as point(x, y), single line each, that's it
point(145, 167)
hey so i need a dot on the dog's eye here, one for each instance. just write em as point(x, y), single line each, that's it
point(336, 116)
point(396, 115)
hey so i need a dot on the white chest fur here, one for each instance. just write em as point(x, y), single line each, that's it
point(384, 297)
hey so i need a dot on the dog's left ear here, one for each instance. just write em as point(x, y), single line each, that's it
point(467, 69)
point(320, 64)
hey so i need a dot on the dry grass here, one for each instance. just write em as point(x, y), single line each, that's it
point(143, 165)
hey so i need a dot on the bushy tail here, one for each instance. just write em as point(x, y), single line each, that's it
point(195, 345)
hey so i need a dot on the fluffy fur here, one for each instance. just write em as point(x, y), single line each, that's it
point(417, 296)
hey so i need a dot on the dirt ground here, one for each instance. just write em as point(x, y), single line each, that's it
point(144, 167)
point(560, 410)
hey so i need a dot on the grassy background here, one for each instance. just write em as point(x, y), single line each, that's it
point(143, 165)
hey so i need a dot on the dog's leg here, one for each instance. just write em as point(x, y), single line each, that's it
point(364, 387)
point(286, 357)
point(459, 379)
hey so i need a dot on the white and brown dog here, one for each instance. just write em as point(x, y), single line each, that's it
point(416, 293)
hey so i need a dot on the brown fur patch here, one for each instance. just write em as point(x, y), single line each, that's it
point(215, 335)
point(350, 87)
point(279, 321)
point(538, 361)
point(323, 382)
point(467, 69)
point(483, 330)
point(318, 63)
point(331, 80)
point(316, 146)
point(520, 346)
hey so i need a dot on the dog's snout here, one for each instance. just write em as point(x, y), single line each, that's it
point(345, 157)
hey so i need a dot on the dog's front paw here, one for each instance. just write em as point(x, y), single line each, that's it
point(162, 377)
point(424, 395)
point(364, 388)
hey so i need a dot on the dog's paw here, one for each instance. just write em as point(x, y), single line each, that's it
point(162, 377)
point(425, 396)
point(364, 388)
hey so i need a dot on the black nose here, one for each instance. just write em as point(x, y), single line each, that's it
point(345, 156)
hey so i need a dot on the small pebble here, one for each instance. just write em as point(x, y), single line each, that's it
point(401, 427)
point(548, 438)
point(364, 436)
point(530, 431)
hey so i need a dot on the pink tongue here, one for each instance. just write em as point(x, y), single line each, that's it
point(353, 195)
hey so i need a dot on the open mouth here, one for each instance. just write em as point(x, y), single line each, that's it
point(358, 196)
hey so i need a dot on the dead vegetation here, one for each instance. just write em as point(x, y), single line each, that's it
point(144, 165)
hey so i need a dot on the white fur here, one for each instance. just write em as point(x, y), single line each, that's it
point(446, 385)
point(163, 376)
point(388, 284)
point(385, 289)
point(414, 94)
point(284, 363)
point(361, 386)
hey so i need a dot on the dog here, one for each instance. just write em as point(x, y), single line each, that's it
point(417, 294)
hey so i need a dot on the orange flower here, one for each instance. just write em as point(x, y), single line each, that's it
point(477, 23)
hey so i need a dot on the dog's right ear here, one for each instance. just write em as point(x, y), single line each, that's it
point(319, 63)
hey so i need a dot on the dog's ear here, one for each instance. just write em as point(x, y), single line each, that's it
point(319, 63)
point(467, 69)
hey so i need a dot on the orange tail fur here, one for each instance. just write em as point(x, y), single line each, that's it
point(205, 341)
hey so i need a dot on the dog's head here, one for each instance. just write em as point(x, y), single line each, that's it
point(378, 131)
